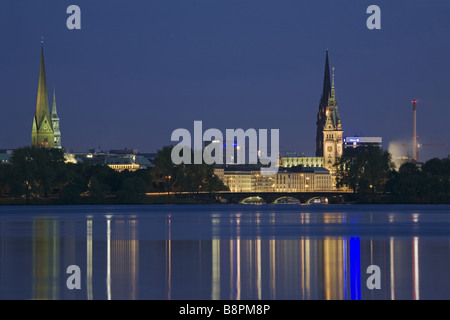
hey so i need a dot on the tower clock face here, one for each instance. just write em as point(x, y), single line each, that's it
point(330, 148)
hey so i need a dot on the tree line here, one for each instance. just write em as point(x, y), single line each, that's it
point(39, 173)
point(369, 170)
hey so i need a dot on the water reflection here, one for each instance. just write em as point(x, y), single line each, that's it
point(45, 258)
point(121, 259)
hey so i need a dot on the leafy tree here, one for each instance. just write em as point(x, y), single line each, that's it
point(364, 169)
point(36, 170)
point(349, 172)
point(133, 190)
point(165, 173)
point(97, 190)
point(412, 184)
point(183, 177)
point(43, 172)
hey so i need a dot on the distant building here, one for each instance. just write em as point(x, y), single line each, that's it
point(219, 172)
point(122, 163)
point(5, 156)
point(262, 182)
point(142, 161)
point(70, 158)
point(355, 142)
point(150, 157)
point(117, 159)
point(293, 161)
point(307, 179)
point(239, 181)
point(285, 180)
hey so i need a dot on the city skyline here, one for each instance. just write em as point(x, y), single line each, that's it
point(132, 84)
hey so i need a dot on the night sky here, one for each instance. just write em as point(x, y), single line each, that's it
point(137, 70)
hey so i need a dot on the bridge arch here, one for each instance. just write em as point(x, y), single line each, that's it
point(317, 200)
point(286, 200)
point(253, 200)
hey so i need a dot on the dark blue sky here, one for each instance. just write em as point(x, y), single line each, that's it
point(137, 70)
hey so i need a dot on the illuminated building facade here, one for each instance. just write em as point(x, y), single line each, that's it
point(285, 180)
point(293, 161)
point(239, 181)
point(308, 180)
point(332, 133)
point(122, 163)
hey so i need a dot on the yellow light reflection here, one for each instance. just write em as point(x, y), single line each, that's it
point(89, 258)
point(46, 256)
point(416, 268)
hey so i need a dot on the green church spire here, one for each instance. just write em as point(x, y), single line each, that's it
point(42, 107)
point(55, 123)
point(42, 131)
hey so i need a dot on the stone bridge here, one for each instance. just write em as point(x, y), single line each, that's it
point(272, 197)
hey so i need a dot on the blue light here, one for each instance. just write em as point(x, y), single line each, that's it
point(355, 268)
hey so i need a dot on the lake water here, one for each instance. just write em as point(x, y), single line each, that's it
point(226, 252)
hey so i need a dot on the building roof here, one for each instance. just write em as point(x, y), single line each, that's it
point(315, 170)
point(5, 157)
point(118, 160)
point(142, 161)
point(124, 151)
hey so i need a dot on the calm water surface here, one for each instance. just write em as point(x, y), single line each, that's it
point(225, 251)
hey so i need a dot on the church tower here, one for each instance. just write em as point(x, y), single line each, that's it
point(321, 115)
point(55, 124)
point(332, 133)
point(42, 130)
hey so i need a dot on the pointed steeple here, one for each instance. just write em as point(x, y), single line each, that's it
point(332, 91)
point(55, 123)
point(332, 133)
point(42, 107)
point(321, 114)
point(326, 83)
point(333, 117)
point(42, 131)
point(54, 112)
point(332, 80)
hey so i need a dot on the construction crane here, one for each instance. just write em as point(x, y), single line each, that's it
point(420, 145)
point(427, 144)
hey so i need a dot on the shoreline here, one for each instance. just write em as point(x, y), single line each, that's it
point(174, 199)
